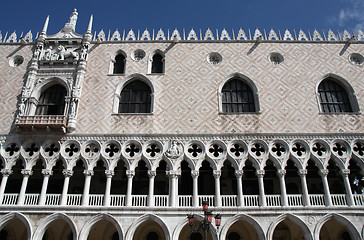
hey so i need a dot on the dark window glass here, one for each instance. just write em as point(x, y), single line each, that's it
point(237, 97)
point(157, 63)
point(51, 102)
point(135, 98)
point(333, 97)
point(119, 64)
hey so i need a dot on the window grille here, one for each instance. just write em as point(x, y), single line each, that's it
point(333, 97)
point(135, 98)
point(52, 101)
point(237, 97)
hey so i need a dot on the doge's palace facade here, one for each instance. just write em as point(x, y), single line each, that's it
point(121, 135)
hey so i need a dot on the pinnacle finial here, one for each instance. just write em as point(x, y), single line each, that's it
point(89, 28)
point(71, 24)
point(45, 27)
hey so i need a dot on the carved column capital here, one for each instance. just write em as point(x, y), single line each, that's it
point(47, 172)
point(27, 172)
point(173, 174)
point(345, 172)
point(323, 172)
point(302, 172)
point(130, 173)
point(67, 173)
point(281, 172)
point(6, 172)
point(152, 174)
point(195, 173)
point(260, 173)
point(88, 173)
point(216, 173)
point(239, 173)
point(109, 173)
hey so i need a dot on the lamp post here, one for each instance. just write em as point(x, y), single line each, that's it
point(206, 222)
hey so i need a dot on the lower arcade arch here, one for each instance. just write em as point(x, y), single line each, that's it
point(101, 226)
point(148, 227)
point(14, 226)
point(334, 226)
point(57, 226)
point(288, 227)
point(241, 227)
point(187, 233)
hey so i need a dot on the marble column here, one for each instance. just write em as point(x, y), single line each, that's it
point(195, 174)
point(349, 194)
point(130, 174)
point(46, 174)
point(67, 175)
point(305, 197)
point(26, 174)
point(262, 198)
point(217, 175)
point(173, 176)
point(284, 199)
point(323, 173)
point(6, 173)
point(239, 175)
point(109, 174)
point(86, 187)
point(152, 175)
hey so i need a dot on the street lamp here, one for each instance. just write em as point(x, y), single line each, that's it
point(206, 222)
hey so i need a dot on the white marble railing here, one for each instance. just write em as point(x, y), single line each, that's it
point(161, 200)
point(117, 200)
point(139, 200)
point(338, 199)
point(31, 199)
point(209, 199)
point(317, 200)
point(185, 201)
point(273, 200)
point(96, 200)
point(10, 199)
point(359, 199)
point(74, 199)
point(229, 200)
point(53, 199)
point(295, 200)
point(251, 200)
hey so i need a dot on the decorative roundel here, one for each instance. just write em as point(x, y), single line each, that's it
point(132, 149)
point(358, 148)
point(12, 149)
point(258, 149)
point(237, 149)
point(50, 149)
point(16, 61)
point(111, 149)
point(90, 149)
point(138, 55)
point(30, 149)
point(299, 149)
point(70, 149)
point(195, 149)
point(356, 58)
point(320, 149)
point(279, 149)
point(153, 149)
point(214, 58)
point(216, 149)
point(340, 148)
point(275, 58)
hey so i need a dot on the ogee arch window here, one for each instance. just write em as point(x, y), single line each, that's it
point(333, 97)
point(237, 97)
point(157, 63)
point(52, 101)
point(119, 64)
point(135, 98)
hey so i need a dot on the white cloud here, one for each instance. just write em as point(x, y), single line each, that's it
point(350, 16)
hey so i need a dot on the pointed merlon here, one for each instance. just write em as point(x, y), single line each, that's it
point(45, 27)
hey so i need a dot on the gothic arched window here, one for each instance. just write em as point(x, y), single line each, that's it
point(157, 63)
point(52, 101)
point(135, 98)
point(333, 97)
point(237, 97)
point(119, 64)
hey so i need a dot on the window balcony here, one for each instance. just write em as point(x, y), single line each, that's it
point(42, 121)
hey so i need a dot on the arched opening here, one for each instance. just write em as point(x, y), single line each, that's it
point(15, 179)
point(161, 179)
point(271, 180)
point(103, 229)
point(185, 184)
point(36, 179)
point(287, 230)
point(334, 179)
point(149, 230)
point(135, 98)
point(119, 64)
point(314, 181)
point(333, 230)
point(77, 180)
point(250, 179)
point(56, 180)
point(58, 230)
point(241, 230)
point(119, 181)
point(141, 179)
point(293, 181)
point(98, 180)
point(52, 101)
point(356, 178)
point(206, 180)
point(228, 180)
point(157, 63)
point(187, 234)
point(237, 97)
point(14, 229)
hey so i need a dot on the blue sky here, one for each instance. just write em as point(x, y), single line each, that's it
point(23, 16)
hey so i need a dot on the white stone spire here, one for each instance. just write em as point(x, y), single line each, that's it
point(71, 24)
point(45, 27)
point(89, 28)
